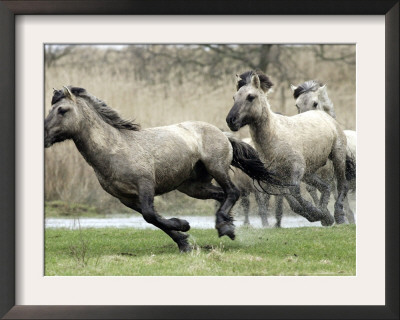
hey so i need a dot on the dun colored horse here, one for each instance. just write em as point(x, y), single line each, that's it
point(294, 148)
point(135, 164)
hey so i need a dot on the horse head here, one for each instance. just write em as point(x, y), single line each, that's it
point(311, 95)
point(63, 119)
point(249, 99)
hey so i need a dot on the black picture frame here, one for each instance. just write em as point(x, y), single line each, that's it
point(8, 11)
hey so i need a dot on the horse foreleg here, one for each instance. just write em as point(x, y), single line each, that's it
point(145, 205)
point(310, 212)
point(297, 207)
point(313, 193)
point(262, 200)
point(278, 210)
point(323, 187)
point(245, 204)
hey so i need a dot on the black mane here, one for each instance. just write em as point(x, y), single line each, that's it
point(245, 78)
point(106, 113)
point(307, 86)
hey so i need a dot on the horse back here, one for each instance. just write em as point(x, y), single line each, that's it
point(312, 136)
point(174, 151)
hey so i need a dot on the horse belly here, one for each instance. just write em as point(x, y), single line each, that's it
point(117, 187)
point(170, 175)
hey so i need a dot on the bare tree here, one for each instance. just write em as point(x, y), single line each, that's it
point(55, 52)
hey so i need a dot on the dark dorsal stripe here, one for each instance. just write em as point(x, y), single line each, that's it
point(245, 79)
point(106, 113)
point(307, 86)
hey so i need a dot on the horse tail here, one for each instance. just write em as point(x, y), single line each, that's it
point(246, 158)
point(350, 167)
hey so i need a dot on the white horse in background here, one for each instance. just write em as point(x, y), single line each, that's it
point(312, 95)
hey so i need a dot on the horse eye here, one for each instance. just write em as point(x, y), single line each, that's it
point(250, 97)
point(315, 104)
point(62, 111)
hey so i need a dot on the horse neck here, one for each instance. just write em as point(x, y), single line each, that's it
point(262, 131)
point(327, 104)
point(97, 141)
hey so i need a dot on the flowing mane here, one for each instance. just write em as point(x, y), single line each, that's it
point(307, 86)
point(245, 79)
point(106, 113)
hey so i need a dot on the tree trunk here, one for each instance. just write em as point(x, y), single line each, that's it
point(264, 57)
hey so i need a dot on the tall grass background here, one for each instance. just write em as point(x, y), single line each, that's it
point(162, 85)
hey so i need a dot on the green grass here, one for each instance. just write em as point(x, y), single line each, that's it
point(255, 252)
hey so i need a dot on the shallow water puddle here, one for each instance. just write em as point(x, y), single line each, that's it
point(199, 222)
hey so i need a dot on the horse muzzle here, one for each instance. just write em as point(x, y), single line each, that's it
point(233, 123)
point(47, 142)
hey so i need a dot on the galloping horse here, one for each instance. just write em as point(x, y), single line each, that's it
point(134, 165)
point(312, 95)
point(294, 148)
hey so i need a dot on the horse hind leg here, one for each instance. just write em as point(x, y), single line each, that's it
point(339, 166)
point(226, 195)
point(349, 213)
point(262, 200)
point(346, 207)
point(224, 221)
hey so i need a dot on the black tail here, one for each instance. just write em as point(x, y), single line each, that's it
point(246, 158)
point(350, 168)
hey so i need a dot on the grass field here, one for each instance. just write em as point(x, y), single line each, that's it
point(310, 251)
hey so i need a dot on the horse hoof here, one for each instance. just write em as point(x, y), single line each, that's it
point(265, 224)
point(182, 225)
point(226, 229)
point(327, 220)
point(185, 248)
point(182, 243)
point(185, 226)
point(340, 220)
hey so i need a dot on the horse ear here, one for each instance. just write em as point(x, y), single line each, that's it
point(255, 81)
point(293, 87)
point(68, 94)
point(322, 89)
point(238, 79)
